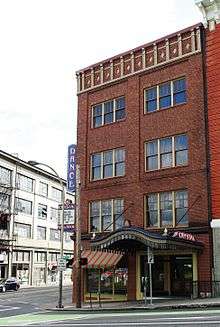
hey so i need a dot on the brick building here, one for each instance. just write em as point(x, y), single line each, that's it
point(143, 153)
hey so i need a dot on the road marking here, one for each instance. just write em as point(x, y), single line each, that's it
point(8, 308)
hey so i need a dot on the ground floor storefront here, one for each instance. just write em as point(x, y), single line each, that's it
point(35, 267)
point(179, 267)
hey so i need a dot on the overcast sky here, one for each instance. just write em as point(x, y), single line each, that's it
point(43, 43)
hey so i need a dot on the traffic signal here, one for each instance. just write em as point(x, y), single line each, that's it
point(83, 261)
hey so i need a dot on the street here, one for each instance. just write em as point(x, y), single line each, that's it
point(28, 300)
point(30, 307)
point(157, 318)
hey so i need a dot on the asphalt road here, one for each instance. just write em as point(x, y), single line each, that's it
point(31, 300)
point(199, 318)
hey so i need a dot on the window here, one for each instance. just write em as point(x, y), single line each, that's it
point(165, 95)
point(42, 211)
point(106, 215)
point(5, 176)
point(19, 256)
point(25, 183)
point(40, 256)
point(167, 209)
point(108, 112)
point(54, 234)
point(67, 236)
point(23, 206)
point(5, 201)
point(56, 194)
point(167, 152)
point(108, 164)
point(43, 189)
point(41, 233)
point(54, 214)
point(22, 230)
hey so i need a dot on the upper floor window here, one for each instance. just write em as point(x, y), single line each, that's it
point(56, 194)
point(108, 164)
point(25, 183)
point(5, 176)
point(23, 206)
point(22, 230)
point(41, 233)
point(54, 214)
point(106, 215)
point(54, 234)
point(167, 209)
point(43, 189)
point(42, 211)
point(108, 112)
point(167, 152)
point(165, 95)
point(5, 201)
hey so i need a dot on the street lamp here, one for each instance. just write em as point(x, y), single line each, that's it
point(35, 163)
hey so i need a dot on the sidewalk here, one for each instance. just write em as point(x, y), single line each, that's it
point(158, 303)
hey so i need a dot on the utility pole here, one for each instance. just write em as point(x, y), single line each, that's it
point(78, 241)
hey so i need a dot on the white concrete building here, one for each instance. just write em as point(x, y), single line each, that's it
point(29, 233)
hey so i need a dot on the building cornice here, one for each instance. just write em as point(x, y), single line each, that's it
point(210, 10)
point(149, 56)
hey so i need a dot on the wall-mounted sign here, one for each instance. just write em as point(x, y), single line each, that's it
point(185, 236)
point(71, 168)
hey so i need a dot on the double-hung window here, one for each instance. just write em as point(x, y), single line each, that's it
point(106, 215)
point(108, 112)
point(167, 152)
point(165, 95)
point(167, 209)
point(107, 164)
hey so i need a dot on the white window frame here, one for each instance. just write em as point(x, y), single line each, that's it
point(159, 154)
point(100, 214)
point(158, 95)
point(159, 225)
point(114, 112)
point(102, 164)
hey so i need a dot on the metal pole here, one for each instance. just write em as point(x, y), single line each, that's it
point(60, 299)
point(78, 241)
point(151, 289)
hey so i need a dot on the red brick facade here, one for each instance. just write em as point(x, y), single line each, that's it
point(213, 98)
point(137, 128)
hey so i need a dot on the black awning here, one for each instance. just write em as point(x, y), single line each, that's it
point(131, 239)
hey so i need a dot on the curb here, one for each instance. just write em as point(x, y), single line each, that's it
point(148, 308)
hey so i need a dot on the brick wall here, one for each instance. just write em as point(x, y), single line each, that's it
point(213, 86)
point(138, 128)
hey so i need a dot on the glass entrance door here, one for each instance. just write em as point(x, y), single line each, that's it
point(181, 275)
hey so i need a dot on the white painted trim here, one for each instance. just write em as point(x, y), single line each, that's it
point(140, 71)
point(215, 223)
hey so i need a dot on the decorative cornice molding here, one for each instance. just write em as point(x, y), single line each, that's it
point(156, 54)
point(210, 10)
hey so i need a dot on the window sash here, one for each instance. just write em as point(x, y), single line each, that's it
point(103, 215)
point(167, 208)
point(108, 112)
point(158, 157)
point(159, 97)
point(112, 164)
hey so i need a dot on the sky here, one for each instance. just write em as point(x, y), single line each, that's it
point(44, 42)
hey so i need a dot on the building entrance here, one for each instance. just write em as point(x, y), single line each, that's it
point(171, 275)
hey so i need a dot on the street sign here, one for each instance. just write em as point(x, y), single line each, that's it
point(69, 216)
point(150, 256)
point(61, 264)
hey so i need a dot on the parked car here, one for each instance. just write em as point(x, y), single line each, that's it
point(9, 284)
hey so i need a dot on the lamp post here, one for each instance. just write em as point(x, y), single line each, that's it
point(35, 163)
